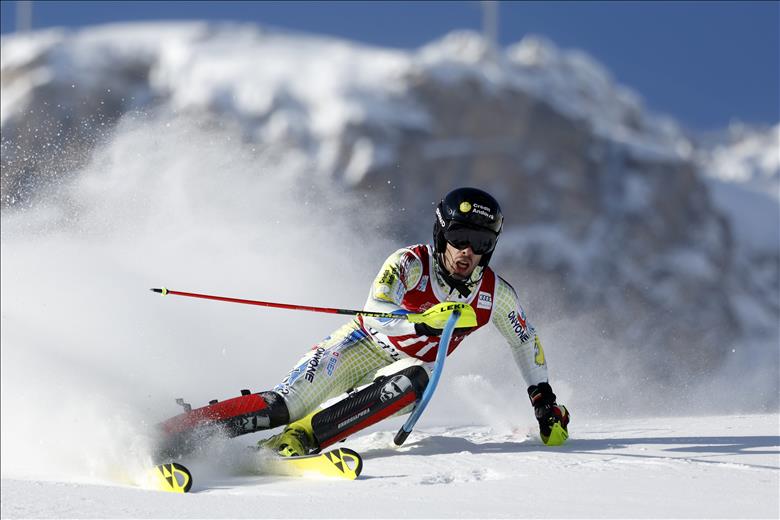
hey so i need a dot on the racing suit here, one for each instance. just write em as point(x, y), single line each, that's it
point(407, 282)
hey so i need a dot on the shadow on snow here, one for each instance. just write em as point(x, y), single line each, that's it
point(677, 447)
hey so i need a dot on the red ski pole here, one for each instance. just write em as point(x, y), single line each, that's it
point(327, 310)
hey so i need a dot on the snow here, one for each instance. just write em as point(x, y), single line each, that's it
point(91, 359)
point(755, 216)
point(743, 172)
point(198, 76)
point(277, 84)
point(692, 467)
point(571, 81)
point(752, 158)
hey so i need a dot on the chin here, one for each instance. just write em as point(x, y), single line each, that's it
point(462, 276)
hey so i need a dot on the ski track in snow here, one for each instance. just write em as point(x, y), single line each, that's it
point(702, 467)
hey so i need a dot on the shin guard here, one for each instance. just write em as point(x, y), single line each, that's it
point(379, 400)
point(247, 413)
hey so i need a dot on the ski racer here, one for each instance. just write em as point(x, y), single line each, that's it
point(383, 365)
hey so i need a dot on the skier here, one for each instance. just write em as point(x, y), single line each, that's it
point(388, 361)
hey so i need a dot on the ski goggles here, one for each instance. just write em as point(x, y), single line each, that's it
point(482, 241)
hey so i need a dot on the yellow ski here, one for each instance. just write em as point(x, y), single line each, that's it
point(339, 463)
point(171, 477)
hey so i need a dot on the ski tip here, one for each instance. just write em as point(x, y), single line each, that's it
point(557, 436)
point(353, 461)
point(162, 290)
point(172, 477)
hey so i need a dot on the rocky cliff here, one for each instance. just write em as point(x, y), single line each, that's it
point(609, 212)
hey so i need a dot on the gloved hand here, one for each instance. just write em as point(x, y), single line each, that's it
point(432, 321)
point(549, 414)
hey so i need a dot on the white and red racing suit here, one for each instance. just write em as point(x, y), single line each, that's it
point(407, 282)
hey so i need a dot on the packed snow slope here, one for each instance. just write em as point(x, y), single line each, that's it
point(694, 467)
point(265, 206)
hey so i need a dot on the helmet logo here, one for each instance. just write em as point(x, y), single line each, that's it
point(465, 207)
point(485, 211)
point(441, 219)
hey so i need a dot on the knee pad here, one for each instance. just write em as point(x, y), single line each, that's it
point(393, 368)
point(384, 397)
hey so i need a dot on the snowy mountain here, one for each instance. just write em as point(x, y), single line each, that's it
point(267, 164)
point(608, 214)
point(742, 168)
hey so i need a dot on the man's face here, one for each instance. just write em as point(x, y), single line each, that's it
point(460, 262)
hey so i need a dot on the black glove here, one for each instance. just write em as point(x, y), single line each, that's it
point(423, 329)
point(541, 394)
point(546, 410)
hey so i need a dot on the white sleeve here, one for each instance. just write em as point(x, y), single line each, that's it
point(509, 318)
point(400, 272)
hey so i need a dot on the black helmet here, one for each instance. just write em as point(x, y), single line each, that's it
point(468, 216)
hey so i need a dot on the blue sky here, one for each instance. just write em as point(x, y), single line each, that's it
point(704, 63)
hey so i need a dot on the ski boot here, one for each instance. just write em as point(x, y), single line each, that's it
point(296, 440)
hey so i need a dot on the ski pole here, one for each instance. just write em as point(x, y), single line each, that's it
point(438, 366)
point(327, 310)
